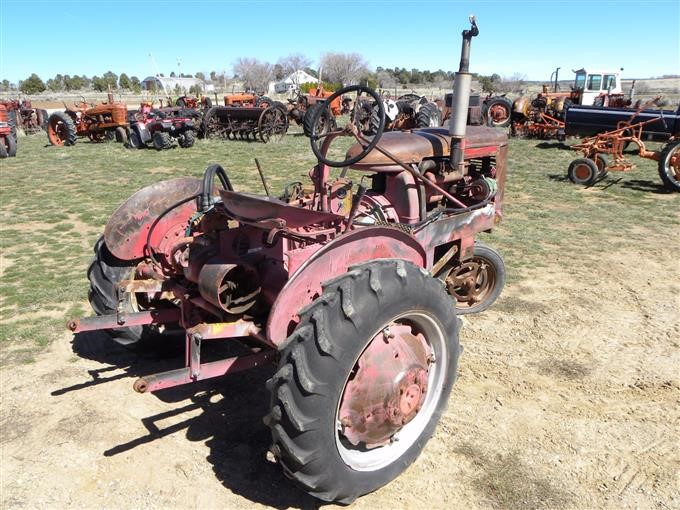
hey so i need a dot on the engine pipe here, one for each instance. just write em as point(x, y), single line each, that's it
point(461, 98)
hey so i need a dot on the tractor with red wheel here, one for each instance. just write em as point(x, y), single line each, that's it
point(8, 135)
point(351, 290)
point(105, 121)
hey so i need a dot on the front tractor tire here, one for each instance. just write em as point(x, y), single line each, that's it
point(429, 115)
point(61, 130)
point(476, 283)
point(363, 379)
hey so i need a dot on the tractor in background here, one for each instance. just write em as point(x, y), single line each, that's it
point(97, 122)
point(543, 116)
point(8, 135)
point(24, 116)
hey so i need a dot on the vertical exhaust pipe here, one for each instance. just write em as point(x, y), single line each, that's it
point(461, 98)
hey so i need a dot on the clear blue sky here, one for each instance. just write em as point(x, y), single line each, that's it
point(527, 37)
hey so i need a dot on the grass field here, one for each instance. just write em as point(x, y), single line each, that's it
point(568, 386)
point(56, 201)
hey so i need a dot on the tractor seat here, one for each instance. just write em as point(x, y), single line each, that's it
point(411, 147)
point(257, 208)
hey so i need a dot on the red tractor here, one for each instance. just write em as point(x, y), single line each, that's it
point(193, 102)
point(8, 135)
point(350, 290)
point(159, 127)
point(97, 122)
point(31, 120)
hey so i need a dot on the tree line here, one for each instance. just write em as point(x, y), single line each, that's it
point(335, 68)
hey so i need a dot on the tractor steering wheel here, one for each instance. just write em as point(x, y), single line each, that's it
point(351, 128)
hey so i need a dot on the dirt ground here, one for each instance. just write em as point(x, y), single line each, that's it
point(568, 397)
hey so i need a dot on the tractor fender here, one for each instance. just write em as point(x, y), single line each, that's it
point(333, 260)
point(127, 229)
point(143, 132)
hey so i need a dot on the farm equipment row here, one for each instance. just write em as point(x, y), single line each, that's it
point(350, 289)
point(603, 152)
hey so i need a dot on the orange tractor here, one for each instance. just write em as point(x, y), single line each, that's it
point(301, 109)
point(100, 122)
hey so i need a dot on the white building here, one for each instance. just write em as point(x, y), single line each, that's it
point(293, 82)
point(169, 83)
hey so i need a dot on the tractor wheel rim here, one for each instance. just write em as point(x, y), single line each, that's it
point(410, 389)
point(55, 132)
point(472, 282)
point(582, 172)
point(499, 113)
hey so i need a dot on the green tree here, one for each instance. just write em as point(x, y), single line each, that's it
point(200, 76)
point(196, 90)
point(74, 83)
point(135, 84)
point(172, 74)
point(99, 84)
point(32, 85)
point(110, 80)
point(5, 85)
point(54, 85)
point(124, 81)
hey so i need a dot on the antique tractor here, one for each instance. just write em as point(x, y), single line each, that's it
point(409, 111)
point(31, 120)
point(301, 109)
point(603, 152)
point(263, 118)
point(194, 103)
point(342, 286)
point(160, 127)
point(543, 116)
point(97, 122)
point(8, 136)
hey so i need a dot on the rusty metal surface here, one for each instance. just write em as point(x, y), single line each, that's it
point(157, 316)
point(355, 247)
point(256, 208)
point(413, 146)
point(388, 386)
point(127, 229)
point(172, 378)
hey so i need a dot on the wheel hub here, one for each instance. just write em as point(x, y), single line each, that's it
point(387, 387)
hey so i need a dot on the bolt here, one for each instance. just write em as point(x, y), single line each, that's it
point(387, 334)
point(345, 422)
point(431, 359)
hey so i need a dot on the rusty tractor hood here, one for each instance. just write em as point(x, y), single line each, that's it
point(411, 147)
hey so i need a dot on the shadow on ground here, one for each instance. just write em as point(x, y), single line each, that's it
point(229, 423)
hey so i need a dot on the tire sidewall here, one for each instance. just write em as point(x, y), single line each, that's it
point(420, 295)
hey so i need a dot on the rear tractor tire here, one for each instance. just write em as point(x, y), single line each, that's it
point(669, 166)
point(325, 122)
point(363, 379)
point(11, 145)
point(104, 273)
point(162, 140)
point(61, 131)
point(583, 171)
point(498, 112)
point(3, 146)
point(429, 115)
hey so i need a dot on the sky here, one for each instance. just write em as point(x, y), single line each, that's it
point(529, 38)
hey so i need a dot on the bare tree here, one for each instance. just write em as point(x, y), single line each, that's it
point(254, 74)
point(514, 83)
point(345, 68)
point(294, 62)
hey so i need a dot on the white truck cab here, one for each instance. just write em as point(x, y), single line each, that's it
point(595, 83)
